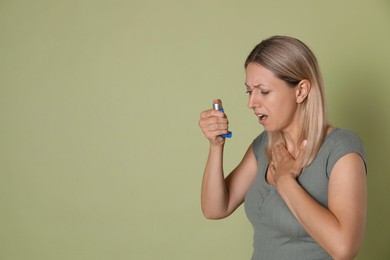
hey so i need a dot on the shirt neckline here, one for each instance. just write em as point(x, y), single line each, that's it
point(268, 185)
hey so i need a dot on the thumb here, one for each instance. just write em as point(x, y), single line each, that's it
point(217, 101)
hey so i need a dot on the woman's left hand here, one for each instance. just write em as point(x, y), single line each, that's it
point(283, 164)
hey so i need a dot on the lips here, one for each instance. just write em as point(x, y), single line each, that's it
point(262, 117)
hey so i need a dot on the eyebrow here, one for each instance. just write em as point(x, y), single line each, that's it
point(257, 86)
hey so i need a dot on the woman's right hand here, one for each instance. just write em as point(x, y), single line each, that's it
point(214, 123)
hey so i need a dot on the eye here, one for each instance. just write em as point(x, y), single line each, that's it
point(265, 92)
point(249, 92)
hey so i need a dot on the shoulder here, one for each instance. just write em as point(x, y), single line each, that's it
point(261, 138)
point(345, 136)
point(259, 143)
point(341, 142)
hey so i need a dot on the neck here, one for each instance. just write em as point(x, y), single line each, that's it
point(291, 138)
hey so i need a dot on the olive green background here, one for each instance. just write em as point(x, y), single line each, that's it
point(101, 156)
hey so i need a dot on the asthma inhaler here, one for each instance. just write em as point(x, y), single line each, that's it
point(218, 106)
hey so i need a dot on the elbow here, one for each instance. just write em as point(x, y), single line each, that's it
point(213, 215)
point(344, 256)
point(345, 252)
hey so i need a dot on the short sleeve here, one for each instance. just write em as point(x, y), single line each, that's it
point(345, 142)
point(259, 144)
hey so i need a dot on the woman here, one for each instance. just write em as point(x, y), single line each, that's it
point(302, 180)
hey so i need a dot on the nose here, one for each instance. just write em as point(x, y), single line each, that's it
point(253, 101)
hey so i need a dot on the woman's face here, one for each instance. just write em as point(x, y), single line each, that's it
point(272, 99)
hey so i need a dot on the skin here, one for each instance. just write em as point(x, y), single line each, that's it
point(339, 229)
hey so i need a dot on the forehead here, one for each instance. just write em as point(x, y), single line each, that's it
point(257, 75)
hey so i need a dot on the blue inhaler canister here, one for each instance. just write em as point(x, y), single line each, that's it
point(219, 107)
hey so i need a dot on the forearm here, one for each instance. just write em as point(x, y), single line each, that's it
point(322, 225)
point(214, 194)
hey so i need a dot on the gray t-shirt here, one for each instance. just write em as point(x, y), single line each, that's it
point(277, 233)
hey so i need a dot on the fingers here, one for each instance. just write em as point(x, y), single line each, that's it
point(213, 120)
point(212, 113)
point(284, 163)
point(272, 174)
point(279, 152)
point(213, 124)
point(272, 168)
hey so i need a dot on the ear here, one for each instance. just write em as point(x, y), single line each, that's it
point(302, 90)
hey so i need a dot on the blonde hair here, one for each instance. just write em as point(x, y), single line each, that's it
point(292, 61)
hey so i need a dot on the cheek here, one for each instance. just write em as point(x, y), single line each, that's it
point(282, 102)
point(284, 106)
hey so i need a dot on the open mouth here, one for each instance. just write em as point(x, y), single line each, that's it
point(262, 117)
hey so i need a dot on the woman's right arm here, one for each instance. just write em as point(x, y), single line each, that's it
point(220, 195)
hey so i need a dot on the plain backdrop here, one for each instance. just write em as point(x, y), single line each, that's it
point(101, 156)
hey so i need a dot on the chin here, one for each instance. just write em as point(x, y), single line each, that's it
point(270, 129)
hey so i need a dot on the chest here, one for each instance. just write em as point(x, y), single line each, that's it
point(265, 207)
point(269, 178)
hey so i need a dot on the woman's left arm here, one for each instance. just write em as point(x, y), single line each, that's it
point(339, 229)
